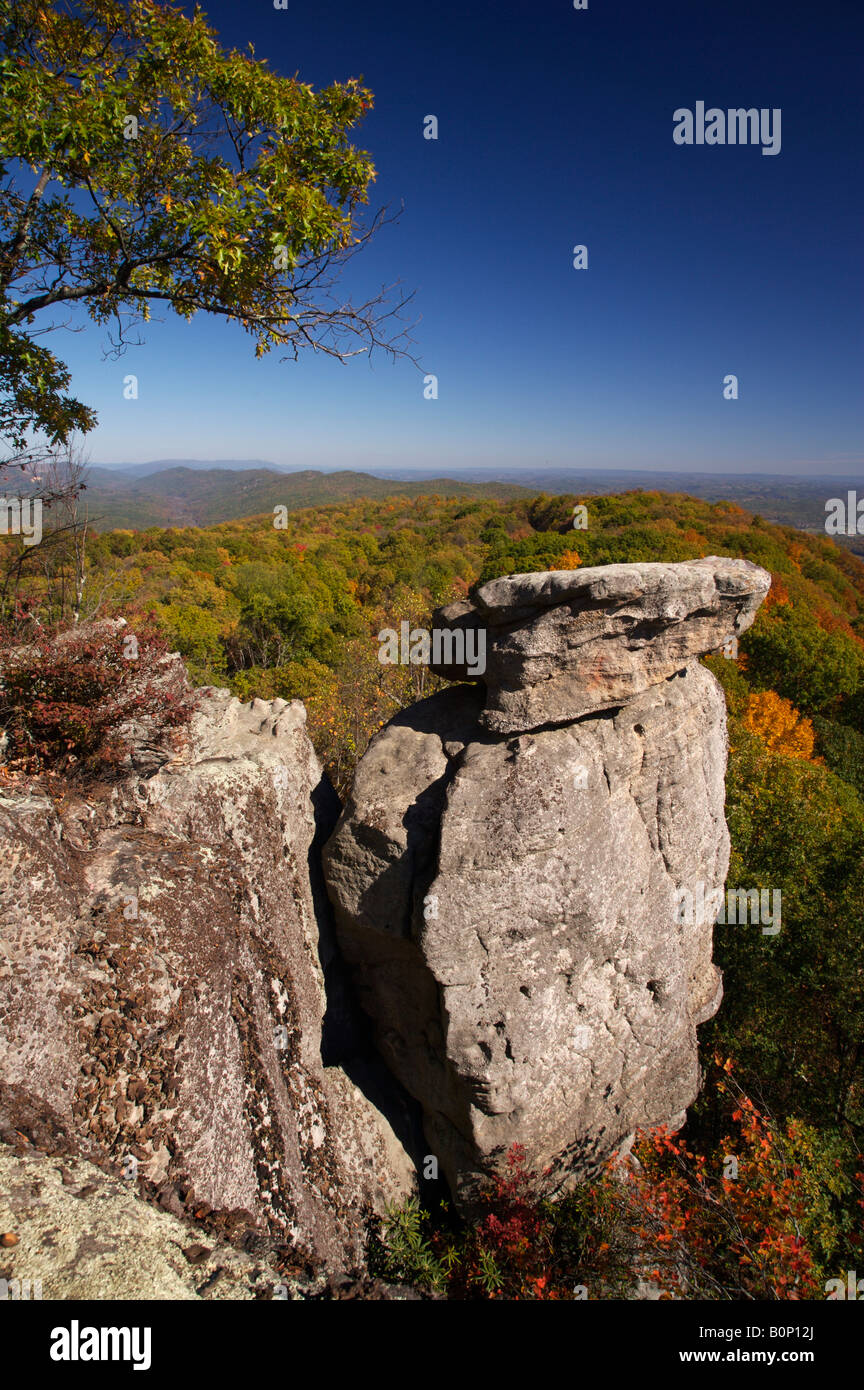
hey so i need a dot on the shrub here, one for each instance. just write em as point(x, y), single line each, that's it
point(68, 699)
point(729, 1228)
point(503, 1253)
point(691, 1224)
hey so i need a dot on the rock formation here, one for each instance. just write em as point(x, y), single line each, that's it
point(565, 642)
point(162, 983)
point(506, 879)
point(82, 1233)
point(507, 873)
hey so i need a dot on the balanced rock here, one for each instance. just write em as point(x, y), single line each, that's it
point(562, 643)
point(507, 873)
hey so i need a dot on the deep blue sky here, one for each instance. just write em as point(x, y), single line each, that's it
point(555, 128)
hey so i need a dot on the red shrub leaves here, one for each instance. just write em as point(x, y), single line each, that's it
point(700, 1233)
point(73, 699)
point(734, 1223)
point(514, 1225)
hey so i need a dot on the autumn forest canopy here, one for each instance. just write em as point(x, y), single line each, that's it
point(294, 612)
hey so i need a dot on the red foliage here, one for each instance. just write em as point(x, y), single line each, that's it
point(515, 1224)
point(666, 1215)
point(706, 1231)
point(65, 696)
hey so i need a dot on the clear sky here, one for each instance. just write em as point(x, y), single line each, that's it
point(555, 129)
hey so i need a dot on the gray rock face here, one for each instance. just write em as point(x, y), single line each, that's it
point(509, 900)
point(85, 1234)
point(565, 642)
point(162, 983)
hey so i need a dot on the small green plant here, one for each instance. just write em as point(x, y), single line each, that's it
point(409, 1253)
point(686, 1221)
point(488, 1275)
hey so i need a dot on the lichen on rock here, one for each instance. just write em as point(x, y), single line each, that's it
point(163, 989)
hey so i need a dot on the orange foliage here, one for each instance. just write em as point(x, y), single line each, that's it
point(779, 725)
point(796, 553)
point(569, 560)
point(778, 593)
point(691, 1223)
point(748, 1228)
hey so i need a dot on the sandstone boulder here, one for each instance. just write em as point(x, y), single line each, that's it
point(81, 1233)
point(565, 642)
point(506, 875)
point(169, 991)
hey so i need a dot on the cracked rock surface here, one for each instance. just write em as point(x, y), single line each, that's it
point(162, 984)
point(506, 872)
point(565, 642)
point(84, 1234)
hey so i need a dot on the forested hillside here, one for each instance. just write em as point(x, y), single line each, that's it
point(295, 611)
point(204, 496)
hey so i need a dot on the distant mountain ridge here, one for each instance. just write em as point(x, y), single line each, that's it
point(200, 492)
point(143, 470)
point(184, 496)
point(787, 499)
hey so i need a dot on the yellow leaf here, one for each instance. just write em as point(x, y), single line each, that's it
point(780, 726)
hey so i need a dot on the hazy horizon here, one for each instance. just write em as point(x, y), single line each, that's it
point(246, 464)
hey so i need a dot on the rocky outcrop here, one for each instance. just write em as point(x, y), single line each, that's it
point(81, 1233)
point(563, 643)
point(506, 880)
point(507, 873)
point(169, 991)
point(71, 1229)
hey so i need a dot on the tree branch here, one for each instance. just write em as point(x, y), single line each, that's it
point(10, 257)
